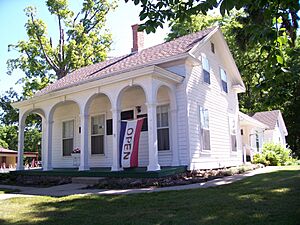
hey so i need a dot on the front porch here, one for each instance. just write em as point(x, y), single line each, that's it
point(140, 172)
point(89, 121)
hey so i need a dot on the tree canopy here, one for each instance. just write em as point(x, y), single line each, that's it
point(81, 40)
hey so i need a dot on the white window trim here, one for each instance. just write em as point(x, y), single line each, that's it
point(231, 116)
point(165, 151)
point(203, 82)
point(202, 150)
point(227, 81)
point(62, 134)
point(90, 136)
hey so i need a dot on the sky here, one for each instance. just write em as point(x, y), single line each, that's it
point(12, 20)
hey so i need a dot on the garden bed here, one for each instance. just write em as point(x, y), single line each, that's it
point(189, 177)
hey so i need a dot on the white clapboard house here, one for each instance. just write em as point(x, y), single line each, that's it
point(186, 88)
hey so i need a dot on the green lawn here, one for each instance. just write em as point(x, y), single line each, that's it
point(272, 198)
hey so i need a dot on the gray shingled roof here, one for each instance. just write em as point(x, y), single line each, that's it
point(269, 117)
point(129, 62)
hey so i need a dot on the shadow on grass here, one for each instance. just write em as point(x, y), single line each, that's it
point(8, 191)
point(272, 198)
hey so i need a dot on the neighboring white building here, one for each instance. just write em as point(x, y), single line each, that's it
point(276, 131)
point(252, 132)
point(261, 128)
point(187, 88)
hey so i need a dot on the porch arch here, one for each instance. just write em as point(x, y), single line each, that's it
point(165, 94)
point(73, 113)
point(22, 123)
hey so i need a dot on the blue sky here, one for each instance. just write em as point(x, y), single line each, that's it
point(13, 18)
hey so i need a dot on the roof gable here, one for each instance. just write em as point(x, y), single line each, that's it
point(270, 118)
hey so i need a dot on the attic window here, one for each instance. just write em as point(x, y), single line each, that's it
point(212, 47)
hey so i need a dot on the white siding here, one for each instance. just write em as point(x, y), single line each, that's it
point(220, 106)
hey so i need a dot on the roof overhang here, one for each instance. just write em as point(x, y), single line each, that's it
point(153, 71)
point(246, 120)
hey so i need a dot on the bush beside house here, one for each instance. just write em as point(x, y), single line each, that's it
point(275, 155)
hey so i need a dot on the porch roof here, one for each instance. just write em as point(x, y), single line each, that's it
point(246, 120)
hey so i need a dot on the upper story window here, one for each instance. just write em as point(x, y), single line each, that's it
point(204, 129)
point(206, 70)
point(223, 76)
point(67, 137)
point(212, 47)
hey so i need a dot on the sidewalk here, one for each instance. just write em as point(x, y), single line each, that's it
point(71, 189)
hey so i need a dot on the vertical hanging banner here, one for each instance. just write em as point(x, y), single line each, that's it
point(129, 142)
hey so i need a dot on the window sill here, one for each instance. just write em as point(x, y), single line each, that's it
point(164, 151)
point(206, 153)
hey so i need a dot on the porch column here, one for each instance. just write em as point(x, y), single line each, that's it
point(20, 165)
point(174, 147)
point(152, 137)
point(84, 139)
point(115, 150)
point(47, 159)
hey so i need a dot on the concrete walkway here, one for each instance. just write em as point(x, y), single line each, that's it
point(71, 189)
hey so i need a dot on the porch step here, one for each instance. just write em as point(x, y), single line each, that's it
point(87, 180)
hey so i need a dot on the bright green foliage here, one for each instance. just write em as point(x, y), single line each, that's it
point(274, 155)
point(32, 138)
point(272, 24)
point(82, 41)
point(3, 144)
point(196, 23)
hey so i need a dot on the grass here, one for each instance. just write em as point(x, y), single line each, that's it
point(272, 198)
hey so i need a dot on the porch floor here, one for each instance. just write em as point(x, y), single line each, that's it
point(105, 172)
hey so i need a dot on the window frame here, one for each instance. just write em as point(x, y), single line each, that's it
point(202, 128)
point(226, 82)
point(204, 70)
point(164, 127)
point(63, 138)
point(233, 132)
point(93, 135)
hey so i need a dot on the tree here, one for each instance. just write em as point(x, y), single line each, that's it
point(82, 41)
point(273, 24)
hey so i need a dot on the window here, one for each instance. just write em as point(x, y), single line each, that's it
point(206, 70)
point(232, 131)
point(212, 47)
point(109, 127)
point(163, 127)
point(257, 142)
point(68, 137)
point(204, 129)
point(127, 115)
point(97, 134)
point(145, 123)
point(223, 80)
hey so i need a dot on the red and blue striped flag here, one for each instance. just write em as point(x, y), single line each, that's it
point(129, 142)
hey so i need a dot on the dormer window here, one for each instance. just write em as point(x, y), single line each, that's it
point(206, 70)
point(212, 47)
point(223, 76)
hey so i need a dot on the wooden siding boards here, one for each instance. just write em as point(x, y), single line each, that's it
point(220, 106)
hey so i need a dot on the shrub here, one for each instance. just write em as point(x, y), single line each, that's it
point(274, 155)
